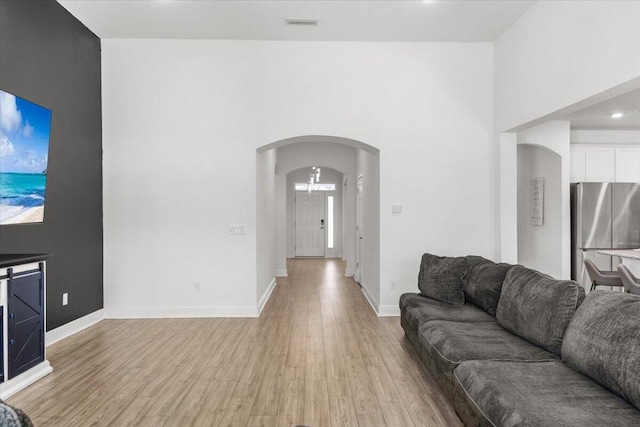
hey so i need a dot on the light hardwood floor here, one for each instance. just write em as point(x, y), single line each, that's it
point(317, 356)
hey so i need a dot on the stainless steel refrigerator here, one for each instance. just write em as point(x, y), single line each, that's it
point(604, 215)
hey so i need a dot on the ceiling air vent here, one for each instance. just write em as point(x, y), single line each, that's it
point(300, 21)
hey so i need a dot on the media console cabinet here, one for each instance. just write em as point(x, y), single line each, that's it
point(23, 321)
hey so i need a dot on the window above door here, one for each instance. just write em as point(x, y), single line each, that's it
point(304, 186)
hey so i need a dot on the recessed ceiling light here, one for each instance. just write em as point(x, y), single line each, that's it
point(616, 115)
point(300, 21)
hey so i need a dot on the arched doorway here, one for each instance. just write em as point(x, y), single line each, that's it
point(349, 157)
point(540, 209)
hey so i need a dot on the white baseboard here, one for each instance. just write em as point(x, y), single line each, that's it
point(14, 385)
point(349, 273)
point(281, 273)
point(389, 311)
point(373, 302)
point(266, 295)
point(180, 312)
point(73, 327)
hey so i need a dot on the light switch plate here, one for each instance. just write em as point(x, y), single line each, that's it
point(65, 298)
point(396, 209)
point(237, 229)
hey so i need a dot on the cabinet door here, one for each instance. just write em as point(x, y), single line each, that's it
point(25, 305)
point(600, 164)
point(578, 164)
point(627, 164)
point(1, 344)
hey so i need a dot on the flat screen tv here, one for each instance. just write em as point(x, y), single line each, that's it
point(24, 154)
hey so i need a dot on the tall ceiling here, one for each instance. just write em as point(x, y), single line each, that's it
point(338, 20)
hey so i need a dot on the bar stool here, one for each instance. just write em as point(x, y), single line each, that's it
point(631, 283)
point(601, 278)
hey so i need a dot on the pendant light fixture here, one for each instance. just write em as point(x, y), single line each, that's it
point(314, 177)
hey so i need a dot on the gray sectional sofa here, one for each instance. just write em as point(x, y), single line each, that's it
point(514, 347)
point(13, 417)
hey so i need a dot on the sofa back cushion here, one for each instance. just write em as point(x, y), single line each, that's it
point(603, 342)
point(483, 283)
point(441, 278)
point(537, 307)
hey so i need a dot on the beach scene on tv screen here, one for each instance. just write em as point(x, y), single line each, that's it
point(24, 154)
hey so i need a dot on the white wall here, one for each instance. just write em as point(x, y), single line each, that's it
point(266, 223)
point(281, 226)
point(182, 120)
point(562, 52)
point(345, 219)
point(506, 221)
point(539, 247)
point(546, 248)
point(368, 165)
point(558, 57)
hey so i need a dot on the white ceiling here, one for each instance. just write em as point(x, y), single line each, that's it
point(599, 116)
point(338, 20)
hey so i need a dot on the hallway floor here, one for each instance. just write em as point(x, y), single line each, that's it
point(317, 356)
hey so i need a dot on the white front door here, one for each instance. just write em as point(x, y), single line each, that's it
point(359, 230)
point(309, 224)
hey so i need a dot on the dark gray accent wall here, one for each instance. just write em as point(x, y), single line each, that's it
point(50, 58)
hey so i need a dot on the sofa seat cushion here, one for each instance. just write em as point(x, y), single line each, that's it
point(537, 394)
point(603, 342)
point(451, 343)
point(417, 309)
point(537, 307)
point(483, 283)
point(442, 278)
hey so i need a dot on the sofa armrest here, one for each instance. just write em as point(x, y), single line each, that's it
point(13, 417)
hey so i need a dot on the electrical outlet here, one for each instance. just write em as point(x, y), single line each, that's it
point(393, 284)
point(196, 286)
point(65, 298)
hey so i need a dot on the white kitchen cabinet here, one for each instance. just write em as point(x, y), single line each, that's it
point(627, 167)
point(599, 164)
point(578, 164)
